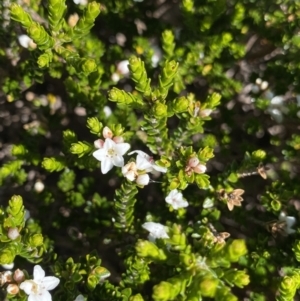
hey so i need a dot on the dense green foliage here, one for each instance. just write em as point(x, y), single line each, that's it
point(211, 93)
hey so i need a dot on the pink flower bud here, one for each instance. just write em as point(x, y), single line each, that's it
point(13, 233)
point(7, 276)
point(107, 133)
point(193, 162)
point(99, 143)
point(205, 112)
point(118, 139)
point(12, 289)
point(19, 276)
point(200, 168)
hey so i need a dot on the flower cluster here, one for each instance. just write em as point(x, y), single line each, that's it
point(37, 288)
point(194, 165)
point(137, 171)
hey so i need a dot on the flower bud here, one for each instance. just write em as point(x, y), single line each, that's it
point(99, 143)
point(19, 276)
point(12, 289)
point(200, 168)
point(107, 133)
point(118, 139)
point(143, 180)
point(39, 186)
point(13, 233)
point(7, 276)
point(193, 162)
point(205, 112)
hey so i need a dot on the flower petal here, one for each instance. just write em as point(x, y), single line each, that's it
point(106, 166)
point(26, 286)
point(159, 168)
point(141, 153)
point(118, 161)
point(156, 230)
point(122, 148)
point(35, 298)
point(45, 296)
point(100, 154)
point(50, 282)
point(143, 164)
point(109, 143)
point(38, 272)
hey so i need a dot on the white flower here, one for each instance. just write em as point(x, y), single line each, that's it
point(111, 154)
point(122, 67)
point(289, 222)
point(156, 230)
point(145, 162)
point(25, 40)
point(176, 200)
point(37, 289)
point(107, 111)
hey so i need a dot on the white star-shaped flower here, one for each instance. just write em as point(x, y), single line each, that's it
point(156, 230)
point(289, 222)
point(176, 200)
point(111, 154)
point(37, 289)
point(145, 162)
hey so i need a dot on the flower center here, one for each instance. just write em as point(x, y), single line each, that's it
point(111, 152)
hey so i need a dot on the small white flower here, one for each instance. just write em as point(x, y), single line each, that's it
point(13, 233)
point(25, 40)
point(143, 180)
point(145, 162)
point(107, 111)
point(156, 230)
point(122, 67)
point(176, 200)
point(289, 221)
point(37, 289)
point(111, 154)
point(39, 186)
